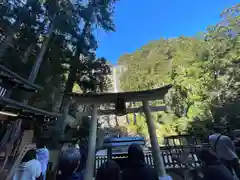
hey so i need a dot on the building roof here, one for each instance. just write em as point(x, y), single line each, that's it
point(20, 80)
point(19, 107)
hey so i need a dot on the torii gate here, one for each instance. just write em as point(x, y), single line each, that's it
point(120, 99)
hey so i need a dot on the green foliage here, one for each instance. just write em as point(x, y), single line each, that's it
point(52, 44)
point(51, 31)
point(204, 71)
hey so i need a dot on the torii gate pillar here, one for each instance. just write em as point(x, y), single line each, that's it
point(157, 155)
point(92, 145)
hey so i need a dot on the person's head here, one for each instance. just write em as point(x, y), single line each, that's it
point(135, 153)
point(41, 144)
point(30, 155)
point(69, 161)
point(109, 170)
point(236, 134)
point(218, 129)
point(207, 156)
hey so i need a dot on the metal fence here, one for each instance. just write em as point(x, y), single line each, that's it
point(169, 154)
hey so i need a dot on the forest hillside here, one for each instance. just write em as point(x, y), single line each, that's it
point(205, 74)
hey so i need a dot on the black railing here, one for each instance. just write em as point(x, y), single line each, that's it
point(2, 91)
point(170, 155)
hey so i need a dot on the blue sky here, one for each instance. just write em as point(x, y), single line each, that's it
point(140, 21)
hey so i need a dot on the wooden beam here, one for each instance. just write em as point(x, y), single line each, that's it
point(128, 111)
point(21, 113)
point(10, 102)
point(133, 96)
point(8, 81)
point(19, 78)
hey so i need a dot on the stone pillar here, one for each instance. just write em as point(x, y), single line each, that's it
point(91, 145)
point(157, 155)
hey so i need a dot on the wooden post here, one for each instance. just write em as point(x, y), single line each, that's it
point(109, 153)
point(91, 145)
point(157, 155)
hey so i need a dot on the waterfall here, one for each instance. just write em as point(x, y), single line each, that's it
point(113, 119)
point(115, 88)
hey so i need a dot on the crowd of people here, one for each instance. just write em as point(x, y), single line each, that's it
point(72, 168)
point(220, 162)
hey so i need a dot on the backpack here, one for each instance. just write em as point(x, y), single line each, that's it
point(216, 143)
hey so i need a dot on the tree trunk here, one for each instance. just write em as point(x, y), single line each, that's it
point(34, 72)
point(116, 121)
point(40, 56)
point(28, 52)
point(134, 118)
point(57, 99)
point(30, 48)
point(64, 109)
point(127, 119)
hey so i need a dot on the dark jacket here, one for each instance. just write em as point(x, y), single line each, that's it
point(74, 176)
point(214, 169)
point(137, 168)
point(217, 172)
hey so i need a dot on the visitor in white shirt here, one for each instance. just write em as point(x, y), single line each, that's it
point(43, 157)
point(225, 149)
point(30, 167)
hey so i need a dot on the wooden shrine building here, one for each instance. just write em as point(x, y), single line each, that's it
point(14, 115)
